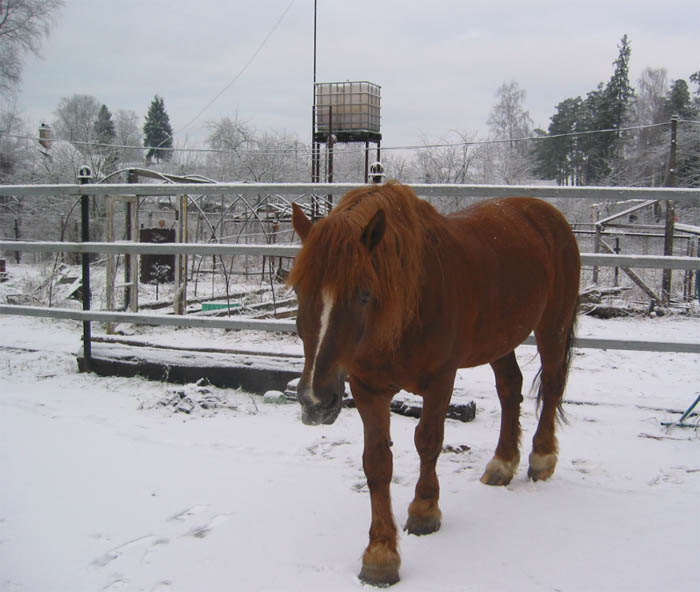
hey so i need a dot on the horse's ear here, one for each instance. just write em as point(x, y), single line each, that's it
point(374, 231)
point(302, 225)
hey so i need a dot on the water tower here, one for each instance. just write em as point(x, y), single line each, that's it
point(346, 112)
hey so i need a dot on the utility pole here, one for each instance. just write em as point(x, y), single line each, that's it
point(315, 148)
point(670, 212)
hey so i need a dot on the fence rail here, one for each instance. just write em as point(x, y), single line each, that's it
point(208, 249)
point(282, 326)
point(134, 248)
point(299, 189)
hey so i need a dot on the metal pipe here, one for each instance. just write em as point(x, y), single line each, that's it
point(289, 250)
point(84, 177)
point(290, 327)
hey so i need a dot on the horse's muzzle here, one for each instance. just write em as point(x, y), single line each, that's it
point(321, 414)
point(322, 405)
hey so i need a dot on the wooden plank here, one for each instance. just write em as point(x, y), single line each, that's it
point(633, 276)
point(641, 206)
point(253, 373)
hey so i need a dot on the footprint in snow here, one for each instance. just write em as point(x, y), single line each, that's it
point(200, 532)
point(189, 512)
point(673, 475)
point(325, 448)
point(585, 466)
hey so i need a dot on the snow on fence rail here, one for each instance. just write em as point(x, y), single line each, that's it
point(298, 189)
point(424, 190)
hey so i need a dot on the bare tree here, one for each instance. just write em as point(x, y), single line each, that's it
point(75, 124)
point(23, 26)
point(509, 123)
point(228, 137)
point(277, 157)
point(448, 159)
point(75, 119)
point(398, 166)
point(128, 133)
point(646, 149)
point(11, 148)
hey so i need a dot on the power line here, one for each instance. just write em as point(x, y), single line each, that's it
point(304, 149)
point(526, 138)
point(237, 76)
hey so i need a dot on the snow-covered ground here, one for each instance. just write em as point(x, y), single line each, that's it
point(106, 486)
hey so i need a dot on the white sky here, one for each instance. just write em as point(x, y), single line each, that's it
point(439, 63)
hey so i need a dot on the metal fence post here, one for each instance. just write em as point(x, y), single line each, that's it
point(84, 176)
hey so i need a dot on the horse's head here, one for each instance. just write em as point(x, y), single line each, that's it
point(336, 305)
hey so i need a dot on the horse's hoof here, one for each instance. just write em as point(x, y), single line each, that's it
point(378, 576)
point(420, 525)
point(380, 566)
point(424, 517)
point(541, 466)
point(500, 472)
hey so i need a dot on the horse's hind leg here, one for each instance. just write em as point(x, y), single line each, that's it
point(509, 382)
point(553, 348)
point(424, 515)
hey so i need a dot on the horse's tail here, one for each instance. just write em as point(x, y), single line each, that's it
point(568, 356)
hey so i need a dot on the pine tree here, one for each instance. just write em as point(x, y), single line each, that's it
point(157, 132)
point(105, 135)
point(561, 157)
point(618, 91)
point(609, 107)
point(104, 126)
point(679, 101)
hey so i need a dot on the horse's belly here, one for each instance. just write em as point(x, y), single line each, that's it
point(494, 336)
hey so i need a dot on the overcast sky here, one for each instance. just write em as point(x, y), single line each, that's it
point(439, 63)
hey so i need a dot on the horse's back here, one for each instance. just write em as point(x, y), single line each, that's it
point(521, 213)
point(515, 265)
point(519, 229)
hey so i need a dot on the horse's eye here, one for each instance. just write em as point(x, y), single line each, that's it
point(364, 296)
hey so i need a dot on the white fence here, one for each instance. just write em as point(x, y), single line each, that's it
point(308, 189)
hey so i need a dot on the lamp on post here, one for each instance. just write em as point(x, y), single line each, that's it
point(45, 139)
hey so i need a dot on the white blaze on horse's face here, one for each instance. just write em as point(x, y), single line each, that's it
point(326, 309)
point(321, 388)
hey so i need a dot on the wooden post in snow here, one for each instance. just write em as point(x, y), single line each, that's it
point(670, 212)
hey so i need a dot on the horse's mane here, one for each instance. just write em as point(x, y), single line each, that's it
point(333, 256)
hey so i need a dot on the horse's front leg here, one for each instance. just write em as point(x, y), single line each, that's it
point(380, 562)
point(424, 514)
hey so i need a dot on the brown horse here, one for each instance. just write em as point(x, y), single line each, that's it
point(397, 296)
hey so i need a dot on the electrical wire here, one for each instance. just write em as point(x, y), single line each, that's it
point(237, 76)
point(304, 149)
